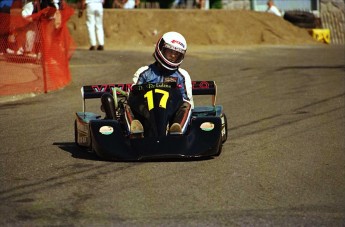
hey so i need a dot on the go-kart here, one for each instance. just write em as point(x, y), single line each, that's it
point(109, 136)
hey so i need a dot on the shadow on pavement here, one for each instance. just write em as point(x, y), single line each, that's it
point(76, 151)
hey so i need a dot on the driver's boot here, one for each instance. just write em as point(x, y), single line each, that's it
point(136, 129)
point(175, 129)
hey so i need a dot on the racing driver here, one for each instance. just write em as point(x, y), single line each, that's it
point(169, 54)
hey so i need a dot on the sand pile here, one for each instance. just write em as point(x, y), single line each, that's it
point(213, 27)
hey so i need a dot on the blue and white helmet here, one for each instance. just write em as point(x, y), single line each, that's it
point(170, 50)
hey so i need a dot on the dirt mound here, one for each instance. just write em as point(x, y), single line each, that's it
point(213, 27)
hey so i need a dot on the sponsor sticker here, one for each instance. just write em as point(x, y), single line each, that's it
point(207, 126)
point(106, 130)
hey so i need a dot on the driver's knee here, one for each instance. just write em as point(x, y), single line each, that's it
point(181, 119)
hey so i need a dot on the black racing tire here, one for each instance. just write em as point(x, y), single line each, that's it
point(301, 19)
point(82, 148)
point(305, 25)
point(220, 148)
point(75, 133)
point(90, 149)
point(225, 137)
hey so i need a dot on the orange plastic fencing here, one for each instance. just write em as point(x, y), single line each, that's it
point(35, 51)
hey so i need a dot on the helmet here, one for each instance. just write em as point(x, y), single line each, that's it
point(170, 50)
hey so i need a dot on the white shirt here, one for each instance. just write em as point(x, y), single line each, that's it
point(27, 10)
point(93, 1)
point(56, 3)
point(130, 4)
point(274, 10)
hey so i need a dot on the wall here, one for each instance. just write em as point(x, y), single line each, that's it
point(333, 17)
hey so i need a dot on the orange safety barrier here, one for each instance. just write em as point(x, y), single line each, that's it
point(35, 51)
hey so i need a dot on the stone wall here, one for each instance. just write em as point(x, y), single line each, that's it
point(333, 17)
point(236, 4)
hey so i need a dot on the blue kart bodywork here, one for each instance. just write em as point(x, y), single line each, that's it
point(110, 140)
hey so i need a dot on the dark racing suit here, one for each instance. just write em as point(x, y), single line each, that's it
point(153, 74)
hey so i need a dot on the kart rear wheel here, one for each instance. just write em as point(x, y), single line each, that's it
point(225, 135)
point(76, 137)
point(220, 148)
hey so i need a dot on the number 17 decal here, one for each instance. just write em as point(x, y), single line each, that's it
point(163, 101)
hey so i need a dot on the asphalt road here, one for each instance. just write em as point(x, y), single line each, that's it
point(283, 164)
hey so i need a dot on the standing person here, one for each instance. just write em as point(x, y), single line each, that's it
point(51, 3)
point(22, 39)
point(272, 8)
point(126, 4)
point(5, 10)
point(27, 11)
point(54, 13)
point(169, 54)
point(94, 22)
point(202, 4)
point(179, 4)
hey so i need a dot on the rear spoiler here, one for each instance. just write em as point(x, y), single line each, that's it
point(205, 88)
point(96, 91)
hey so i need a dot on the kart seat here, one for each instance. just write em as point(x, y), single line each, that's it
point(108, 105)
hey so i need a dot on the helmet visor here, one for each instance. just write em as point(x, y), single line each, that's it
point(174, 56)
